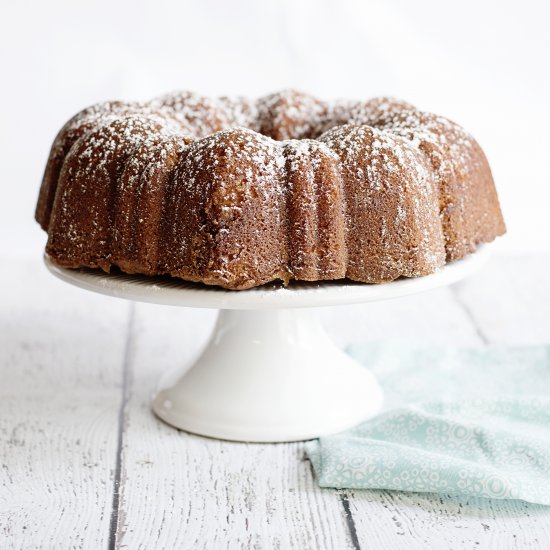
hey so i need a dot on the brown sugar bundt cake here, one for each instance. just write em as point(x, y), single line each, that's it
point(237, 193)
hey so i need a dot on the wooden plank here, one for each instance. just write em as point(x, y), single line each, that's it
point(384, 519)
point(492, 306)
point(61, 351)
point(406, 520)
point(185, 491)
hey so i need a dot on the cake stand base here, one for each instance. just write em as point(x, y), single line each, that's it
point(268, 376)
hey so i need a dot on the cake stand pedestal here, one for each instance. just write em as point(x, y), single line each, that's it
point(269, 372)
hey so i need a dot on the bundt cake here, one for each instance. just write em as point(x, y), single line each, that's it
point(237, 193)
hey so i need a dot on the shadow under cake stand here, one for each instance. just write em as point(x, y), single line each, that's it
point(269, 372)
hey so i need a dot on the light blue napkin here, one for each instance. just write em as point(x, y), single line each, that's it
point(472, 422)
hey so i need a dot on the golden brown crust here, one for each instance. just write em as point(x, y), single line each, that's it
point(392, 204)
point(303, 190)
point(470, 212)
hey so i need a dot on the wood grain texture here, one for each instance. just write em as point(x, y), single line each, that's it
point(78, 437)
point(406, 520)
point(60, 357)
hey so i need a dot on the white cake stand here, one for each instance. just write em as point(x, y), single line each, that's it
point(269, 372)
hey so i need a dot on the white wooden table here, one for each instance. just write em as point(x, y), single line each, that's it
point(84, 463)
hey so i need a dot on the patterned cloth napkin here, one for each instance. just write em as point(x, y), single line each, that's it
point(472, 422)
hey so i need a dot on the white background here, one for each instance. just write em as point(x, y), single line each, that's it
point(484, 64)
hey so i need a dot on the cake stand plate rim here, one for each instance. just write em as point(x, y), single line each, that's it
point(171, 291)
